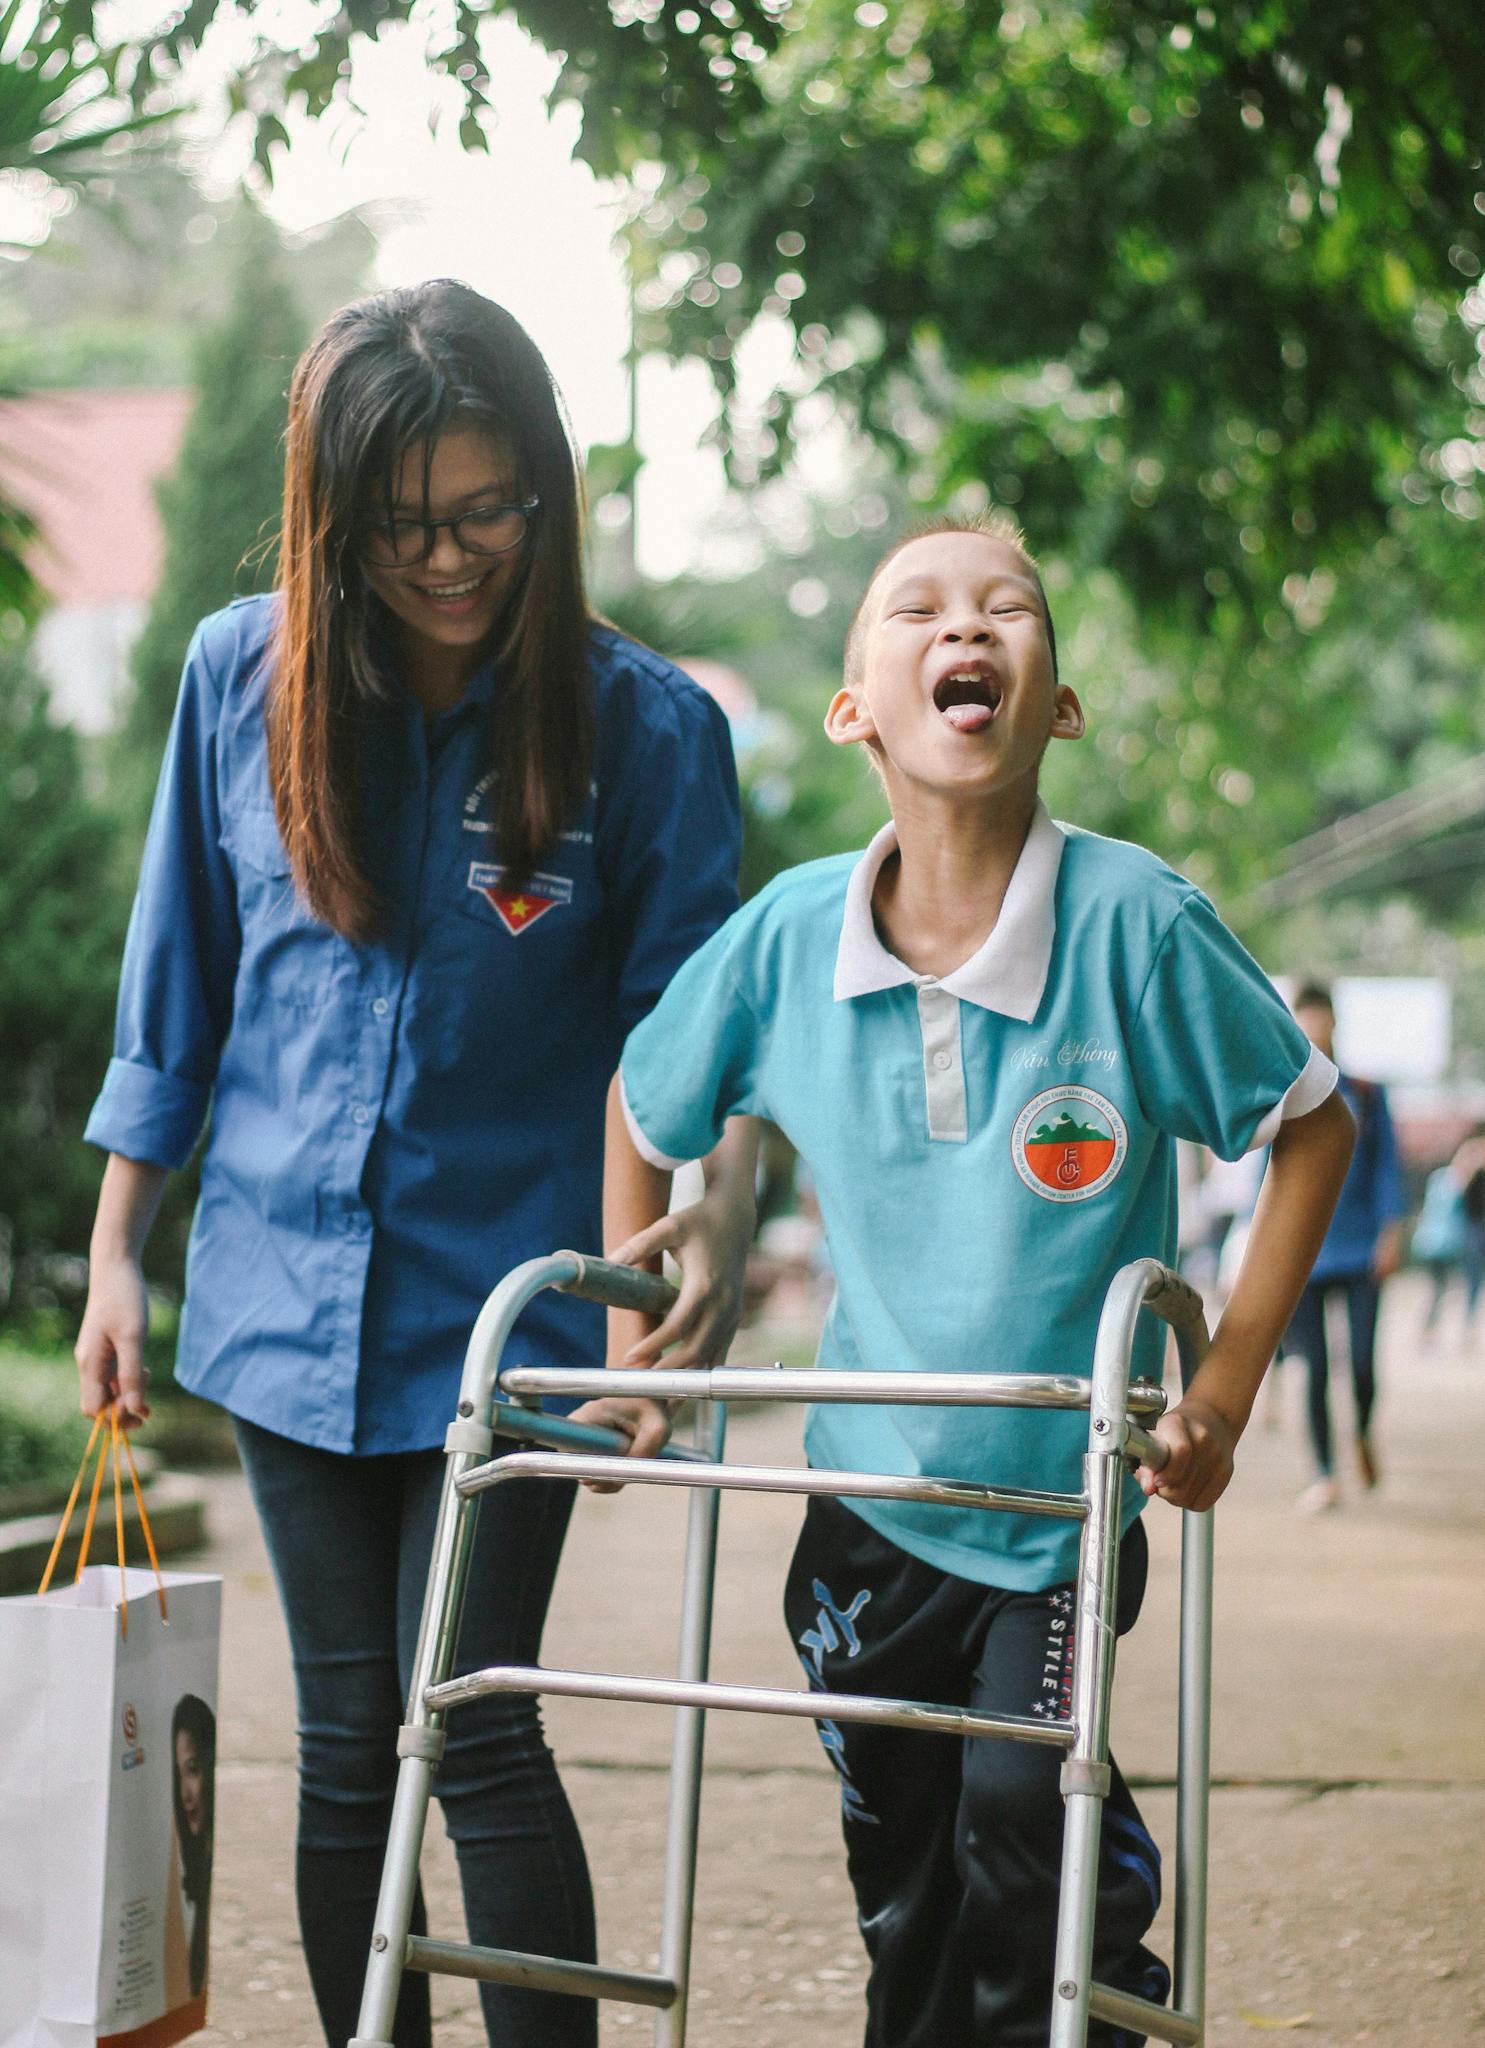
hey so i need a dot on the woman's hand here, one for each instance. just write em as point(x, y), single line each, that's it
point(645, 1423)
point(710, 1242)
point(110, 1345)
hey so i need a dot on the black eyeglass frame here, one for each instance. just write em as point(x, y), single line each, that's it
point(527, 507)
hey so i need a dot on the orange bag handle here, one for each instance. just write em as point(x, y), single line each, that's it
point(108, 1453)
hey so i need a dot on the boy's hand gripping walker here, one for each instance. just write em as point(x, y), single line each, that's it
point(492, 1400)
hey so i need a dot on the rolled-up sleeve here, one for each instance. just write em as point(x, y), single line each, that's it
point(180, 957)
point(670, 841)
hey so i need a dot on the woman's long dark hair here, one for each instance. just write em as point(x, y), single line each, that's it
point(194, 1718)
point(385, 376)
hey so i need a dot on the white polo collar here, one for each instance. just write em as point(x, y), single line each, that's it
point(1007, 974)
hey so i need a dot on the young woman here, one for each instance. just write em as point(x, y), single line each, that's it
point(428, 840)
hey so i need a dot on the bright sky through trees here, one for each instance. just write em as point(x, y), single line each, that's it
point(523, 223)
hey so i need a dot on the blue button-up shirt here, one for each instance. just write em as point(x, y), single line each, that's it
point(1373, 1194)
point(396, 1124)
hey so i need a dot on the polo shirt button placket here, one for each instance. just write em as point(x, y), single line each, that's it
point(943, 1064)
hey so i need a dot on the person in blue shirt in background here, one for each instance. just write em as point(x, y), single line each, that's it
point(429, 839)
point(984, 1036)
point(1363, 1247)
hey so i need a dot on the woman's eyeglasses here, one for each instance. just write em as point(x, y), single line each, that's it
point(487, 530)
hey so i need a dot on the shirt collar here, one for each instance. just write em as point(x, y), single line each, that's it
point(1007, 974)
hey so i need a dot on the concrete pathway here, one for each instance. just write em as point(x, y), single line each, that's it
point(1348, 1879)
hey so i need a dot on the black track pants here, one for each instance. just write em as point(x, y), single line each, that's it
point(954, 1846)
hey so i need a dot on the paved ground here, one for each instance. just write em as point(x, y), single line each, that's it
point(1347, 1873)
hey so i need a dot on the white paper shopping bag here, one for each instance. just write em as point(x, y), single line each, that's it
point(107, 1808)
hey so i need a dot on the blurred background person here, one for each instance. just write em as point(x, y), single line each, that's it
point(1467, 1169)
point(1441, 1241)
point(1362, 1249)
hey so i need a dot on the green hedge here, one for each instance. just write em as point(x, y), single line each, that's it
point(42, 1435)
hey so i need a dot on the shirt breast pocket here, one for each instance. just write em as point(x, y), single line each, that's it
point(289, 957)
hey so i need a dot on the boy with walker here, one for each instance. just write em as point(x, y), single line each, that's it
point(983, 1035)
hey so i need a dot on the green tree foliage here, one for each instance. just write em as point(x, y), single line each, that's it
point(635, 66)
point(1195, 288)
point(222, 503)
point(57, 85)
point(62, 917)
point(122, 286)
point(1181, 281)
point(781, 626)
point(1195, 291)
point(1182, 284)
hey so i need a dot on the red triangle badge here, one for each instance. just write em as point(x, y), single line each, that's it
point(518, 909)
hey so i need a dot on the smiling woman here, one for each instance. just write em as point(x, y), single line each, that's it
point(409, 415)
point(429, 839)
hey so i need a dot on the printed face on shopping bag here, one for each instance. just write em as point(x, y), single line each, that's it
point(190, 1780)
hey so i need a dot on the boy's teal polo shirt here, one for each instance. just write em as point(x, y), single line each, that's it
point(988, 1148)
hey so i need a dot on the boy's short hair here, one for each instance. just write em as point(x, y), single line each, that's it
point(994, 526)
point(1313, 995)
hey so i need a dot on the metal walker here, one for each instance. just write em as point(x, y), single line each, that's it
point(492, 1400)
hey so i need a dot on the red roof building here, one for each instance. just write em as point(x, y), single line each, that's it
point(84, 465)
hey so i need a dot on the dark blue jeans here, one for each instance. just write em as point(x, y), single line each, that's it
point(350, 1539)
point(1306, 1335)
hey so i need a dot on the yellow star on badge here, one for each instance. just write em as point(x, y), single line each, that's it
point(520, 908)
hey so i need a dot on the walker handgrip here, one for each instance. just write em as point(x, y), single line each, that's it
point(1178, 1304)
point(555, 1431)
point(1143, 1449)
point(618, 1286)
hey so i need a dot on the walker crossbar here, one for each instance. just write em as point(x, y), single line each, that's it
point(536, 1973)
point(1124, 2009)
point(778, 1383)
point(491, 1398)
point(749, 1699)
point(952, 1493)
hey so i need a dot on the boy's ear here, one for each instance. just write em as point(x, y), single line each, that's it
point(846, 722)
point(1068, 722)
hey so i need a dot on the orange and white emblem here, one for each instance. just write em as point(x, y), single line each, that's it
point(1069, 1143)
point(518, 909)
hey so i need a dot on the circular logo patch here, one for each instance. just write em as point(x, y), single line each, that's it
point(1069, 1143)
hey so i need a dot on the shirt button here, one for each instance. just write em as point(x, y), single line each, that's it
point(380, 1007)
point(360, 1113)
point(943, 1061)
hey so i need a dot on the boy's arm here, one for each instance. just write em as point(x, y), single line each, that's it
point(1306, 1168)
point(711, 1241)
point(635, 1195)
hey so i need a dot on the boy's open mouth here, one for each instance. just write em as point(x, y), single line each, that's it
point(967, 700)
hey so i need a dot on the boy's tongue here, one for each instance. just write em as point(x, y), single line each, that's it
point(968, 717)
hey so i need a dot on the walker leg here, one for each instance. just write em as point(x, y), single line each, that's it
point(677, 1911)
point(1194, 1765)
point(394, 1905)
point(420, 1746)
point(1085, 1774)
